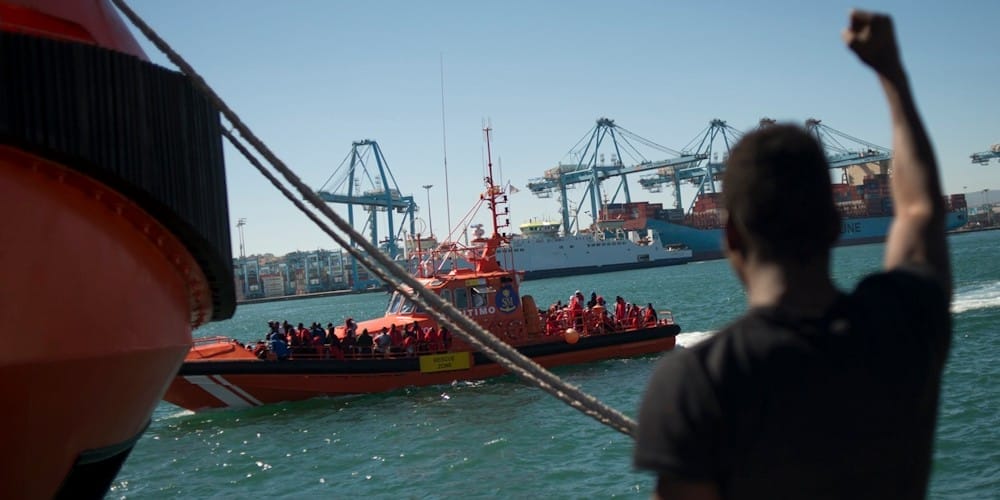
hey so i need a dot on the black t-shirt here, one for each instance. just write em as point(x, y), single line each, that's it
point(780, 406)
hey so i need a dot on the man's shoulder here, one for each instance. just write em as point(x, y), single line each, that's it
point(735, 345)
point(903, 285)
point(753, 331)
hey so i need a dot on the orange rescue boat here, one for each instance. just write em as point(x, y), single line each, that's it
point(222, 373)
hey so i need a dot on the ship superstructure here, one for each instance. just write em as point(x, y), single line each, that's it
point(542, 252)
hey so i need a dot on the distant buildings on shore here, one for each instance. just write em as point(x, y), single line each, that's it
point(295, 273)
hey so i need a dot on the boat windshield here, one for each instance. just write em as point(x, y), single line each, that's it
point(394, 302)
point(399, 304)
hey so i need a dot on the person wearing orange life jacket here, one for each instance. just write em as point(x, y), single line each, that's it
point(336, 351)
point(396, 337)
point(410, 344)
point(423, 339)
point(649, 315)
point(620, 311)
point(633, 316)
point(300, 336)
point(552, 323)
point(434, 340)
point(576, 310)
point(317, 336)
point(336, 348)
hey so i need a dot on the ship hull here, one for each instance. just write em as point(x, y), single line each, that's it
point(706, 244)
point(553, 256)
point(607, 268)
point(237, 380)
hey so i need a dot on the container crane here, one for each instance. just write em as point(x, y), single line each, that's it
point(592, 168)
point(842, 151)
point(984, 157)
point(849, 153)
point(380, 194)
point(706, 170)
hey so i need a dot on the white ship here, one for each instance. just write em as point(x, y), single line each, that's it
point(541, 252)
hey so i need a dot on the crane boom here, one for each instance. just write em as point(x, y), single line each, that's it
point(984, 157)
point(592, 169)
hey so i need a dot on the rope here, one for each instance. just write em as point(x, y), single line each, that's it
point(380, 265)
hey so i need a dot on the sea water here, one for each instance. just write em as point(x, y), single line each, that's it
point(504, 438)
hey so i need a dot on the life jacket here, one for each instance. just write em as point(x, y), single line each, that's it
point(335, 351)
point(434, 339)
point(649, 317)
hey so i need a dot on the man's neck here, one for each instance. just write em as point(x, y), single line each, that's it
point(802, 287)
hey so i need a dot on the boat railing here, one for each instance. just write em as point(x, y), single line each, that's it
point(218, 339)
point(592, 323)
point(666, 317)
point(325, 353)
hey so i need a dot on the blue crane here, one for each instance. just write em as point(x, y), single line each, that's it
point(380, 194)
point(984, 157)
point(842, 152)
point(591, 168)
point(703, 173)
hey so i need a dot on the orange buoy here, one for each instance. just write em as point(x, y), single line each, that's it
point(571, 336)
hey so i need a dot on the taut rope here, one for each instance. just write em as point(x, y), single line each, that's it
point(383, 267)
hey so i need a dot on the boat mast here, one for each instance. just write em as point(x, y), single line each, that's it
point(494, 196)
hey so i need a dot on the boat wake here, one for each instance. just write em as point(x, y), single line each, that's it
point(178, 414)
point(975, 297)
point(691, 338)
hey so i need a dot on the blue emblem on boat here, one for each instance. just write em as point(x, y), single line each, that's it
point(507, 299)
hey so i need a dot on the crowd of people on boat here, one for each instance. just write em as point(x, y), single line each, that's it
point(596, 316)
point(593, 316)
point(283, 340)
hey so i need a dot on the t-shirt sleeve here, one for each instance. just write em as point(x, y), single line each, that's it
point(679, 421)
point(913, 299)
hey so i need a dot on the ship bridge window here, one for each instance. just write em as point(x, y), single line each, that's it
point(395, 302)
point(399, 304)
point(407, 307)
point(446, 295)
point(479, 295)
point(461, 298)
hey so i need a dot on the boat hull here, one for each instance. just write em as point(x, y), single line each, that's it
point(243, 383)
point(87, 358)
point(706, 244)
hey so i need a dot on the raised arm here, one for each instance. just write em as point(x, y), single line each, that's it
point(917, 236)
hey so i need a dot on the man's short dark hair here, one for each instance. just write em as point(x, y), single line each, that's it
point(777, 192)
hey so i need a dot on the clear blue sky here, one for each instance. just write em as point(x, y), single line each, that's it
point(311, 77)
